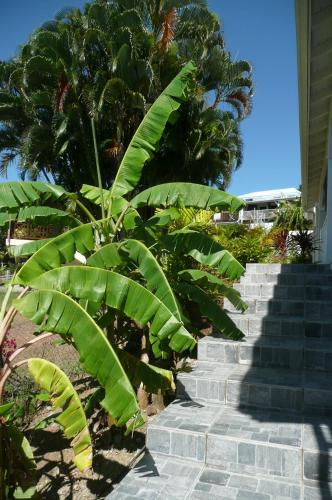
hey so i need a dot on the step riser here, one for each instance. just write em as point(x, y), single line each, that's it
point(236, 394)
point(287, 268)
point(279, 328)
point(270, 445)
point(311, 293)
point(250, 458)
point(266, 356)
point(310, 310)
point(287, 279)
point(227, 454)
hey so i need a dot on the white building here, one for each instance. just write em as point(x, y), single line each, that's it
point(261, 207)
point(314, 41)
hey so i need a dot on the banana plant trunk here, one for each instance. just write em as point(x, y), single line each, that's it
point(142, 395)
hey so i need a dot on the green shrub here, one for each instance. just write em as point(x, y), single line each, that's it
point(246, 245)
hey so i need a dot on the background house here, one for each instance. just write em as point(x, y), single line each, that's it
point(260, 209)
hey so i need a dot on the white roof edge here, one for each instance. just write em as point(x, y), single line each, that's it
point(271, 195)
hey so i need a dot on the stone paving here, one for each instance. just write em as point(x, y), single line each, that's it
point(253, 420)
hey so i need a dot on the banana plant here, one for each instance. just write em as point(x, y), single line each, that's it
point(125, 309)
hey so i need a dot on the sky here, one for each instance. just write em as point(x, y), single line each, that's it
point(261, 31)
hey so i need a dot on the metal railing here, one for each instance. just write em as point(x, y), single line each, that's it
point(257, 216)
point(246, 216)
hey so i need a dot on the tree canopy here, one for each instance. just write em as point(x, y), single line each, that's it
point(104, 66)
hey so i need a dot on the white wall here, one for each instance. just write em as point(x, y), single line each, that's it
point(323, 231)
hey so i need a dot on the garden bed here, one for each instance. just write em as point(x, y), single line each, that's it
point(57, 476)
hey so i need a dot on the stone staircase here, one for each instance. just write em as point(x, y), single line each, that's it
point(253, 419)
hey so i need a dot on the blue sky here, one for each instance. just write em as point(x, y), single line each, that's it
point(261, 31)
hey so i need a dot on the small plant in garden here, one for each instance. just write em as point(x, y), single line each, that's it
point(125, 309)
point(293, 233)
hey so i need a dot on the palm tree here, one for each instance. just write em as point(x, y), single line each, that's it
point(98, 70)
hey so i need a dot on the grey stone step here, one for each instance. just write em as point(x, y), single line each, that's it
point(269, 352)
point(288, 268)
point(288, 279)
point(269, 291)
point(309, 309)
point(255, 443)
point(159, 477)
point(285, 326)
point(280, 389)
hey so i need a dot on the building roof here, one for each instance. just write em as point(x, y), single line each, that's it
point(272, 195)
point(314, 43)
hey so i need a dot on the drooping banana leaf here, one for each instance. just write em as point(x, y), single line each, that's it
point(146, 138)
point(40, 215)
point(6, 217)
point(72, 418)
point(121, 293)
point(59, 313)
point(19, 193)
point(211, 282)
point(57, 251)
point(210, 310)
point(49, 215)
point(205, 250)
point(151, 270)
point(27, 248)
point(114, 255)
point(152, 377)
point(186, 194)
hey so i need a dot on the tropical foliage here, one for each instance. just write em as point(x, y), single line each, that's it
point(127, 308)
point(296, 229)
point(101, 69)
point(246, 244)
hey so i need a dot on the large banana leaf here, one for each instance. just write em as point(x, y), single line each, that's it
point(59, 313)
point(106, 257)
point(16, 194)
point(213, 283)
point(121, 293)
point(92, 193)
point(110, 256)
point(152, 377)
point(210, 310)
point(205, 250)
point(146, 138)
point(186, 194)
point(26, 249)
point(57, 251)
point(63, 395)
